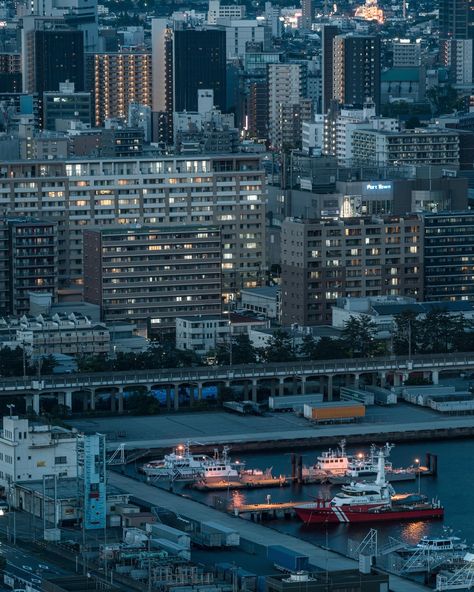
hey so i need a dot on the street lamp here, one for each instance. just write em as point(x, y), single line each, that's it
point(417, 462)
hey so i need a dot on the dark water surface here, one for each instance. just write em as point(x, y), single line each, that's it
point(454, 486)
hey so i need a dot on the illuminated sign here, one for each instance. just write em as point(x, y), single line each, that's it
point(379, 186)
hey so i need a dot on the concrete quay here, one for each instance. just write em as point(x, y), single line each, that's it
point(255, 534)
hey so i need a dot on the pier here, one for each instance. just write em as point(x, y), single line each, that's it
point(255, 536)
point(267, 511)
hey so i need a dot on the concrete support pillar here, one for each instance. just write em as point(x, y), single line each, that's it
point(113, 406)
point(272, 388)
point(199, 391)
point(246, 391)
point(303, 385)
point(191, 395)
point(329, 390)
point(435, 376)
point(85, 403)
point(356, 380)
point(254, 390)
point(383, 378)
point(93, 400)
point(396, 379)
point(281, 387)
point(68, 399)
point(373, 379)
point(28, 402)
point(36, 403)
point(120, 401)
point(294, 388)
point(168, 396)
point(176, 397)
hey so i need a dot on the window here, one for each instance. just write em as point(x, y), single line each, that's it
point(60, 460)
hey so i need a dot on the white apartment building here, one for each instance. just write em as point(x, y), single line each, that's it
point(202, 334)
point(30, 451)
point(313, 135)
point(227, 191)
point(229, 11)
point(422, 146)
point(285, 91)
point(407, 53)
point(240, 32)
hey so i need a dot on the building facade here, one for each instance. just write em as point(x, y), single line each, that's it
point(358, 257)
point(118, 80)
point(202, 334)
point(153, 274)
point(225, 191)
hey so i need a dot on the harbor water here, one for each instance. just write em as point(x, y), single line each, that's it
point(453, 486)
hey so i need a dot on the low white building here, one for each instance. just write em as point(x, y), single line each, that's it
point(202, 333)
point(29, 451)
point(382, 311)
point(262, 301)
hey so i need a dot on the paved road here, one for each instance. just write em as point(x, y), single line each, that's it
point(220, 427)
point(256, 533)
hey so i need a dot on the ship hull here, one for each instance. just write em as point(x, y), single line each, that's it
point(341, 515)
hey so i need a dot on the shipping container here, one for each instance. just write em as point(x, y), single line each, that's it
point(348, 393)
point(171, 548)
point(230, 537)
point(287, 559)
point(382, 396)
point(288, 403)
point(161, 531)
point(114, 520)
point(336, 411)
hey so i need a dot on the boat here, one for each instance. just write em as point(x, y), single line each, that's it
point(339, 468)
point(180, 464)
point(369, 502)
point(442, 544)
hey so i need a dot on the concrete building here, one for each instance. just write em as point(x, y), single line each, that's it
point(407, 84)
point(421, 146)
point(225, 191)
point(356, 69)
point(285, 94)
point(307, 13)
point(59, 107)
point(117, 80)
point(407, 53)
point(153, 274)
point(262, 301)
point(449, 256)
point(224, 11)
point(28, 261)
point(28, 451)
point(358, 257)
point(202, 334)
point(382, 311)
point(70, 334)
point(241, 33)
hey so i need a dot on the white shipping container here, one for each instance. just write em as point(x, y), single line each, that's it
point(162, 531)
point(230, 537)
point(292, 401)
point(171, 548)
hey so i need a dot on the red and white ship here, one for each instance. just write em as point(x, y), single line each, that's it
point(369, 502)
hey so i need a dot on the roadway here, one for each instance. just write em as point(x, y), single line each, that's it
point(250, 531)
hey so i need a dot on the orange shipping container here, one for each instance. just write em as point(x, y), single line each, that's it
point(328, 411)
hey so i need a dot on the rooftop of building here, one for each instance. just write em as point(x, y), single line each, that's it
point(401, 74)
point(420, 308)
point(264, 291)
point(297, 331)
point(68, 488)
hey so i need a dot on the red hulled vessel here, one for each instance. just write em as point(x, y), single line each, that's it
point(370, 502)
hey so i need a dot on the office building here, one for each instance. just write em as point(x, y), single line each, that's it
point(199, 63)
point(407, 53)
point(224, 11)
point(242, 34)
point(30, 451)
point(118, 80)
point(356, 69)
point(59, 108)
point(10, 73)
point(153, 274)
point(52, 53)
point(28, 261)
point(225, 191)
point(421, 146)
point(357, 257)
point(455, 19)
point(449, 256)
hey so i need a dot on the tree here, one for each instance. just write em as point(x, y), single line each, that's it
point(330, 349)
point(308, 348)
point(280, 348)
point(359, 336)
point(143, 403)
point(407, 333)
point(440, 331)
point(243, 352)
point(11, 361)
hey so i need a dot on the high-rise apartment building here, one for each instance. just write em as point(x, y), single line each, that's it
point(117, 80)
point(285, 93)
point(407, 53)
point(10, 73)
point(449, 256)
point(455, 19)
point(52, 53)
point(328, 33)
point(153, 274)
point(356, 69)
point(225, 191)
point(357, 257)
point(224, 11)
point(307, 13)
point(28, 261)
